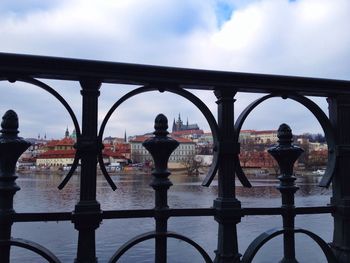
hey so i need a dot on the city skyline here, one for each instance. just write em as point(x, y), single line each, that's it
point(71, 131)
point(301, 37)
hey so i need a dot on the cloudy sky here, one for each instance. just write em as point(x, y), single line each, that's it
point(300, 37)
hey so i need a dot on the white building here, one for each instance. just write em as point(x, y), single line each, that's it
point(246, 136)
point(139, 154)
point(268, 136)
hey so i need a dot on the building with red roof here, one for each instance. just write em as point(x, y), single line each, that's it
point(57, 153)
point(117, 153)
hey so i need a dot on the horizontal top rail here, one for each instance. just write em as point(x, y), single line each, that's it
point(125, 73)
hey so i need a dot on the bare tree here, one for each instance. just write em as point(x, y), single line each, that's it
point(192, 163)
point(244, 157)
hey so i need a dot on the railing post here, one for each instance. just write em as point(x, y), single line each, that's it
point(227, 249)
point(286, 154)
point(87, 214)
point(160, 147)
point(339, 114)
point(11, 148)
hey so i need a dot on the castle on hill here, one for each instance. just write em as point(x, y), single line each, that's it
point(180, 126)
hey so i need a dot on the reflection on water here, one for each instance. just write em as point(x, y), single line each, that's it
point(39, 193)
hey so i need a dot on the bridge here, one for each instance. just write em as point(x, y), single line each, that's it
point(226, 210)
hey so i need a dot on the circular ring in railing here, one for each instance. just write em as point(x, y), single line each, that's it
point(262, 239)
point(54, 93)
point(30, 245)
point(319, 115)
point(179, 91)
point(151, 235)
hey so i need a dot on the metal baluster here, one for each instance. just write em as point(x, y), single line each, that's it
point(227, 204)
point(87, 214)
point(286, 154)
point(160, 147)
point(11, 148)
point(339, 113)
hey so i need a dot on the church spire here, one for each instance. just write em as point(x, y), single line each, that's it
point(66, 134)
point(125, 140)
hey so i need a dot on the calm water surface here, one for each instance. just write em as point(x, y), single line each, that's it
point(39, 193)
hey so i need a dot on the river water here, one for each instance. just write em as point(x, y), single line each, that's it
point(39, 193)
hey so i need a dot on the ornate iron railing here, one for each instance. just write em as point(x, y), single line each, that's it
point(226, 209)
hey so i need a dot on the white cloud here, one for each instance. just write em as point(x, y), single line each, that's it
point(132, 31)
point(308, 38)
point(304, 37)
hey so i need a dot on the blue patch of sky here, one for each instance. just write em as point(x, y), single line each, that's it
point(184, 22)
point(20, 7)
point(181, 21)
point(223, 12)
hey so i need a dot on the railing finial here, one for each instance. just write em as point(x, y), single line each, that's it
point(161, 125)
point(160, 147)
point(286, 154)
point(11, 148)
point(9, 124)
point(284, 135)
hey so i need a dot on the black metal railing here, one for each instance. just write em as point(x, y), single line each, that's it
point(226, 209)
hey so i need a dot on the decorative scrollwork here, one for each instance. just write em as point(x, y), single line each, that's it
point(150, 235)
point(319, 115)
point(65, 104)
point(32, 246)
point(181, 92)
point(262, 239)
